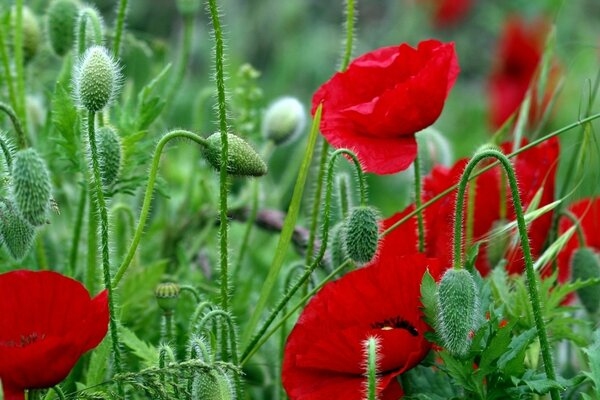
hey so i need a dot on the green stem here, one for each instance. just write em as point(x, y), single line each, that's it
point(232, 331)
point(92, 243)
point(522, 226)
point(324, 235)
point(40, 251)
point(102, 211)
point(580, 236)
point(59, 392)
point(223, 233)
point(6, 152)
point(191, 290)
point(316, 204)
point(7, 70)
point(418, 201)
point(77, 231)
point(451, 189)
point(349, 24)
point(88, 14)
point(168, 327)
point(371, 345)
point(16, 122)
point(119, 28)
point(19, 64)
point(148, 196)
point(344, 196)
point(471, 195)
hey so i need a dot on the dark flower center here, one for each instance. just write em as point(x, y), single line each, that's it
point(24, 341)
point(396, 323)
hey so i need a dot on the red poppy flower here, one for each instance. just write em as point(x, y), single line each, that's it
point(324, 356)
point(535, 169)
point(519, 52)
point(384, 97)
point(47, 321)
point(449, 12)
point(588, 213)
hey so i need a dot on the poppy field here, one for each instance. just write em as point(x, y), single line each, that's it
point(302, 199)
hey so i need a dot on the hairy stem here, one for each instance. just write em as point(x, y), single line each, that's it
point(88, 15)
point(19, 64)
point(92, 243)
point(148, 196)
point(16, 122)
point(102, 211)
point(7, 70)
point(522, 226)
point(119, 28)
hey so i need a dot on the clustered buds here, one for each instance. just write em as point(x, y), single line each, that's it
point(215, 385)
point(32, 35)
point(62, 16)
point(586, 265)
point(457, 310)
point(362, 234)
point(109, 155)
point(284, 120)
point(16, 233)
point(31, 187)
point(167, 295)
point(243, 160)
point(96, 79)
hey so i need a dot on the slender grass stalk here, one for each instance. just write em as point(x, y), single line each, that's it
point(8, 77)
point(19, 64)
point(16, 122)
point(418, 201)
point(522, 226)
point(176, 134)
point(224, 224)
point(571, 217)
point(119, 28)
point(102, 211)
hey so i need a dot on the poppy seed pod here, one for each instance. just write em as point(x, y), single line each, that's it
point(457, 309)
point(586, 265)
point(188, 7)
point(31, 188)
point(32, 35)
point(167, 295)
point(109, 155)
point(338, 252)
point(62, 16)
point(284, 120)
point(362, 234)
point(17, 234)
point(243, 159)
point(96, 79)
point(215, 385)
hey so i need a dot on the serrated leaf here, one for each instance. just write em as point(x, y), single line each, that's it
point(499, 344)
point(516, 352)
point(149, 105)
point(96, 372)
point(147, 353)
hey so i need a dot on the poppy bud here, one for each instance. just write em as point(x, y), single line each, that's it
point(338, 252)
point(188, 7)
point(457, 309)
point(62, 16)
point(243, 159)
point(496, 248)
point(96, 79)
point(167, 295)
point(109, 155)
point(362, 234)
point(31, 188)
point(284, 120)
point(585, 265)
point(215, 385)
point(17, 234)
point(31, 32)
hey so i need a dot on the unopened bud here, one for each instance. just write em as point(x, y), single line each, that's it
point(16, 233)
point(31, 187)
point(215, 385)
point(62, 17)
point(457, 308)
point(243, 160)
point(362, 234)
point(96, 79)
point(109, 155)
point(284, 120)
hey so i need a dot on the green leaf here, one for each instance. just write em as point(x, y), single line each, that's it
point(593, 356)
point(429, 298)
point(147, 353)
point(511, 362)
point(149, 105)
point(96, 372)
point(499, 344)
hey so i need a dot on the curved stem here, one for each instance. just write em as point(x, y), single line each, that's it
point(16, 122)
point(101, 209)
point(522, 226)
point(232, 333)
point(148, 196)
point(119, 28)
point(192, 291)
point(91, 15)
point(324, 235)
point(580, 236)
point(223, 232)
point(522, 149)
point(418, 201)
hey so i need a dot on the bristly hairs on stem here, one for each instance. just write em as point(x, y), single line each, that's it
point(88, 14)
point(8, 150)
point(16, 122)
point(371, 348)
point(120, 28)
point(19, 64)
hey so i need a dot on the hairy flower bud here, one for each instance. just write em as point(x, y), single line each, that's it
point(31, 32)
point(31, 187)
point(362, 234)
point(457, 310)
point(215, 385)
point(586, 265)
point(109, 155)
point(243, 159)
point(16, 233)
point(284, 120)
point(96, 79)
point(188, 7)
point(62, 17)
point(167, 295)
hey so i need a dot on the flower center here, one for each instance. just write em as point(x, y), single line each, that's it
point(395, 323)
point(24, 341)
